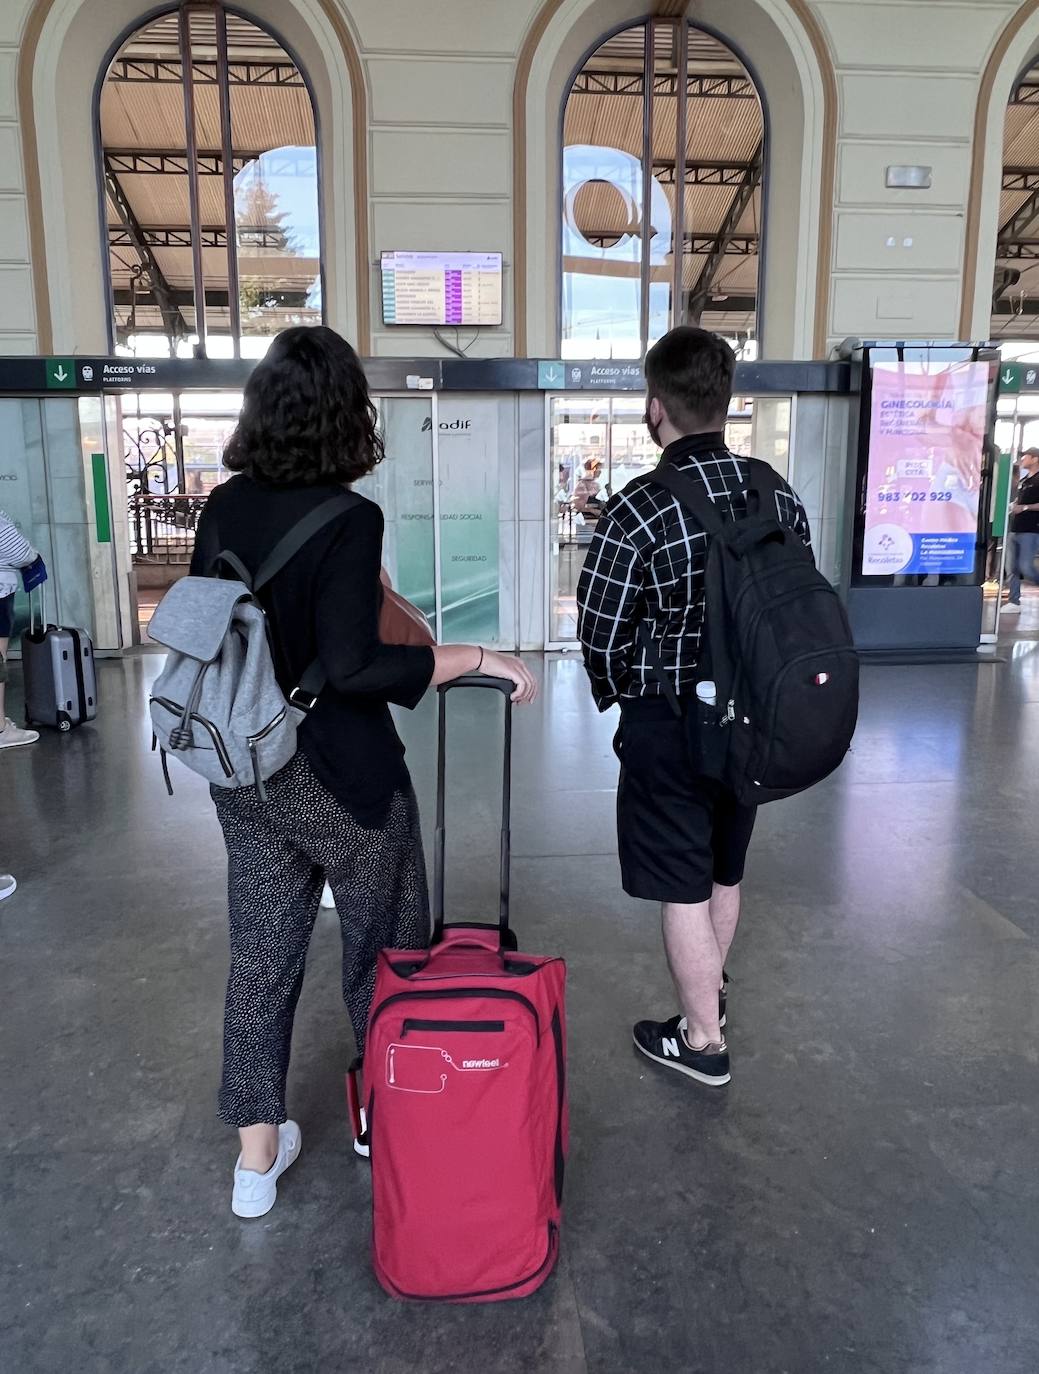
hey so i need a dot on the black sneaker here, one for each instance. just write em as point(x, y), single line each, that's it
point(664, 1042)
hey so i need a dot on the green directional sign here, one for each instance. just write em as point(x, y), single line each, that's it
point(61, 373)
point(1009, 378)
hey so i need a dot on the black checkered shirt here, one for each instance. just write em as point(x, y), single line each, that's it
point(646, 563)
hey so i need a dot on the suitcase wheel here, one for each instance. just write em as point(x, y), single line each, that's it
point(64, 723)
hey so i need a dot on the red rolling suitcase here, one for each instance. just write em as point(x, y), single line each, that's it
point(465, 1080)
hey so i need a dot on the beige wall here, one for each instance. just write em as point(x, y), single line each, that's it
point(908, 78)
point(17, 312)
point(437, 86)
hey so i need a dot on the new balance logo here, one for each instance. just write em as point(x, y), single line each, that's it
point(670, 1047)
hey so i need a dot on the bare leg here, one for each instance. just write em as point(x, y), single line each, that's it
point(725, 915)
point(695, 960)
point(259, 1147)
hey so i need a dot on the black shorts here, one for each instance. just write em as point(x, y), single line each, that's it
point(678, 834)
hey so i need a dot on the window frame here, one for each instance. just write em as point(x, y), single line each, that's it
point(142, 22)
point(646, 21)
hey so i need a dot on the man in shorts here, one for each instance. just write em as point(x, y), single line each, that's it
point(15, 553)
point(682, 838)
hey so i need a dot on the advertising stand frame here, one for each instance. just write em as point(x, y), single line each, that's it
point(931, 615)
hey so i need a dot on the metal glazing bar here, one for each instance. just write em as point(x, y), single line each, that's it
point(681, 50)
point(229, 206)
point(178, 443)
point(193, 198)
point(648, 55)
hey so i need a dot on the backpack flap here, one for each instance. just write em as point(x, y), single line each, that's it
point(195, 614)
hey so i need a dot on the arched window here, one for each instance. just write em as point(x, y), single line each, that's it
point(657, 107)
point(211, 209)
point(1015, 294)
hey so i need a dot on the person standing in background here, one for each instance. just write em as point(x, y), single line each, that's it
point(15, 553)
point(1024, 529)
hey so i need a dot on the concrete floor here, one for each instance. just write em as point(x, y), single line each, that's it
point(863, 1198)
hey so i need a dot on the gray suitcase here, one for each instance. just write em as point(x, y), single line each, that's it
point(58, 668)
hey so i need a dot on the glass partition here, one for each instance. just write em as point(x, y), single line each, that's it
point(403, 487)
point(475, 435)
point(597, 444)
point(450, 522)
point(54, 486)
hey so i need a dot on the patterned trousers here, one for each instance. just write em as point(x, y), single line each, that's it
point(280, 852)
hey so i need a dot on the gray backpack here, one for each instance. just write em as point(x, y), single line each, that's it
point(217, 705)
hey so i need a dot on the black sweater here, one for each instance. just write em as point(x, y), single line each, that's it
point(1027, 494)
point(325, 604)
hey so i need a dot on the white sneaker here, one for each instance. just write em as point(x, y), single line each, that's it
point(328, 902)
point(1009, 608)
point(11, 736)
point(255, 1194)
point(8, 886)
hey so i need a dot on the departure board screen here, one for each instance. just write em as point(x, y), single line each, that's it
point(441, 288)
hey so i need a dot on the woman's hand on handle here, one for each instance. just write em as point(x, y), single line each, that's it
point(456, 660)
point(513, 670)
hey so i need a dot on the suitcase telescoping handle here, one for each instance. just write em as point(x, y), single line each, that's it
point(496, 684)
point(38, 594)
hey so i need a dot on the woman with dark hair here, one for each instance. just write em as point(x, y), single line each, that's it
point(343, 808)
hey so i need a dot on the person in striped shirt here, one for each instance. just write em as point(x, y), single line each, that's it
point(15, 553)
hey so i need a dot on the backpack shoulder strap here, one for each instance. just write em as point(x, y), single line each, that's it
point(232, 561)
point(693, 496)
point(289, 545)
point(764, 482)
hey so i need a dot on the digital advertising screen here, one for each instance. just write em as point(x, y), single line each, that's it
point(442, 288)
point(923, 483)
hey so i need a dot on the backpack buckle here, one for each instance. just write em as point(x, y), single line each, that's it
point(303, 701)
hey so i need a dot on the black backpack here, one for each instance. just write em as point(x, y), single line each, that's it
point(777, 644)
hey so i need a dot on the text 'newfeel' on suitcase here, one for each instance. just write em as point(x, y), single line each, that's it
point(465, 1085)
point(58, 669)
